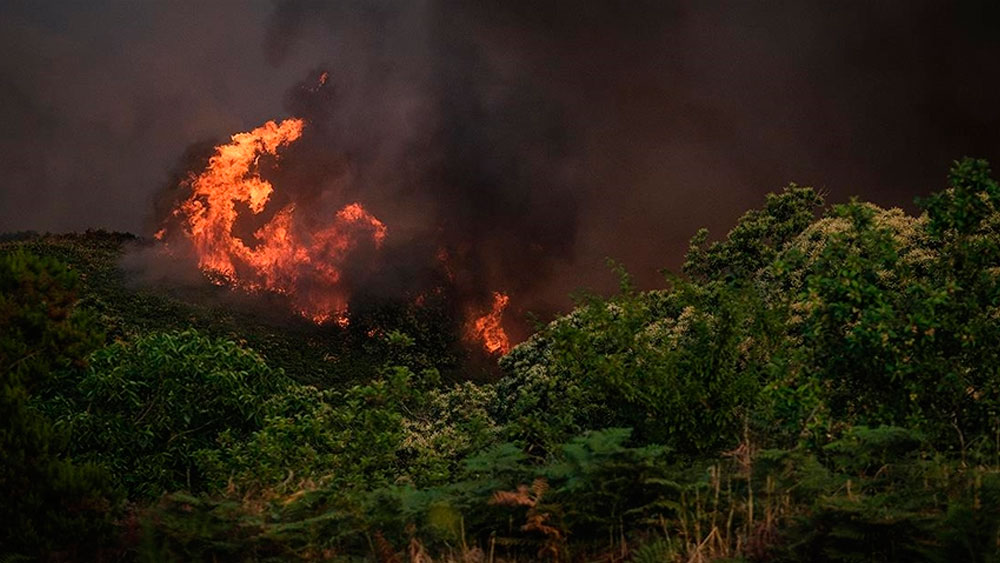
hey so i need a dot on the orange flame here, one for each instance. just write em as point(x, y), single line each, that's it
point(488, 329)
point(288, 258)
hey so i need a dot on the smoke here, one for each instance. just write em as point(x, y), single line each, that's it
point(97, 100)
point(530, 139)
point(535, 139)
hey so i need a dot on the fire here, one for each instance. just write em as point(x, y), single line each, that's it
point(323, 77)
point(488, 329)
point(288, 257)
point(288, 249)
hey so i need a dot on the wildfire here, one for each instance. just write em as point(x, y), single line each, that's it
point(288, 249)
point(288, 257)
point(488, 329)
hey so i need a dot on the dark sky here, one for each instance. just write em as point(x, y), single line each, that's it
point(630, 124)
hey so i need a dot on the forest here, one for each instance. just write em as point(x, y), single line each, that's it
point(822, 383)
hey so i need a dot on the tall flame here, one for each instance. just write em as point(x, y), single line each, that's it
point(488, 328)
point(304, 263)
point(288, 254)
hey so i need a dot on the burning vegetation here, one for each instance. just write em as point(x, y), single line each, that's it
point(247, 233)
point(285, 255)
point(488, 328)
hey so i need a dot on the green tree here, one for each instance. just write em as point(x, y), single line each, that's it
point(892, 319)
point(757, 239)
point(678, 367)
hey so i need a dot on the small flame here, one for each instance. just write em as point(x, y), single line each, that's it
point(321, 81)
point(444, 258)
point(488, 328)
point(289, 258)
point(354, 213)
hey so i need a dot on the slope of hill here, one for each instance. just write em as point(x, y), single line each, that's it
point(129, 305)
point(810, 389)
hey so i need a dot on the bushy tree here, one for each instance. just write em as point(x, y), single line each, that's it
point(677, 367)
point(894, 320)
point(757, 239)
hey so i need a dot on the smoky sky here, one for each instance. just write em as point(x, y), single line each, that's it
point(549, 134)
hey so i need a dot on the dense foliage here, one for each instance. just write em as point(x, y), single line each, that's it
point(49, 502)
point(147, 410)
point(820, 384)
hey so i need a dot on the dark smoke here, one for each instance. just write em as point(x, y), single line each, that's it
point(437, 142)
point(541, 137)
point(531, 138)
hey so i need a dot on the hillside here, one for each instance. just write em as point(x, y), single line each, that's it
point(130, 303)
point(821, 384)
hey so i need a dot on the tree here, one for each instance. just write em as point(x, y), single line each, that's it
point(756, 240)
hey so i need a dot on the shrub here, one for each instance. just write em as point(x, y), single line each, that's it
point(49, 503)
point(147, 409)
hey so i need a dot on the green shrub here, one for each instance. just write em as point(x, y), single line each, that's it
point(146, 410)
point(49, 503)
point(310, 438)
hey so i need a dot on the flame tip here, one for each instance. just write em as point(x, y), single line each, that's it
point(488, 328)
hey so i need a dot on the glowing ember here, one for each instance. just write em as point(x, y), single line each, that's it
point(288, 257)
point(323, 77)
point(488, 329)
